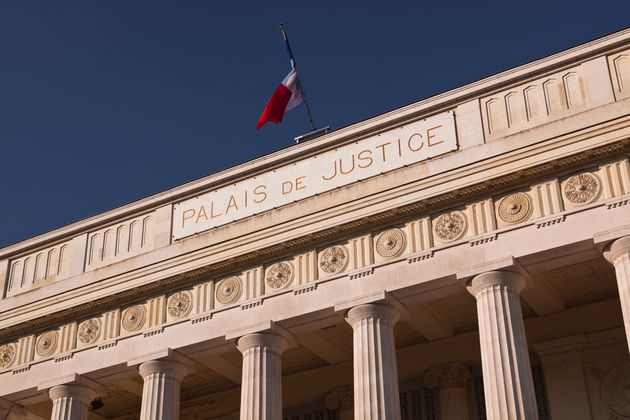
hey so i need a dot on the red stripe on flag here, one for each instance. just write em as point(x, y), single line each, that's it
point(274, 111)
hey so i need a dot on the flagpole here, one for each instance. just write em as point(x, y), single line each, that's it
point(293, 66)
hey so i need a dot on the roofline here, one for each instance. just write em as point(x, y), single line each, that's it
point(423, 108)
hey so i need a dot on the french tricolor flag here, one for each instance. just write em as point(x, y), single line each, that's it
point(287, 96)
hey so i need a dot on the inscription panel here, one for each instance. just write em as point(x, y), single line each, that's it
point(362, 159)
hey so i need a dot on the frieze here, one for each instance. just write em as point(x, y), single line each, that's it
point(391, 243)
point(278, 279)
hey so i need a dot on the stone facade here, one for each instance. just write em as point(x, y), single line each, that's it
point(490, 281)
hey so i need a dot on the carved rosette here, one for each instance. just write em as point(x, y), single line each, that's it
point(7, 355)
point(229, 290)
point(583, 188)
point(180, 304)
point(89, 330)
point(616, 391)
point(280, 275)
point(391, 243)
point(450, 226)
point(515, 208)
point(46, 343)
point(334, 259)
point(448, 374)
point(134, 317)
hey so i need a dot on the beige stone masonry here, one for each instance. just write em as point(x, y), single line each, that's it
point(450, 379)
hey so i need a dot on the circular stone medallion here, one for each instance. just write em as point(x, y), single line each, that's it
point(391, 243)
point(450, 226)
point(334, 259)
point(133, 318)
point(515, 208)
point(279, 275)
point(180, 304)
point(46, 343)
point(89, 330)
point(7, 355)
point(229, 290)
point(582, 188)
point(616, 391)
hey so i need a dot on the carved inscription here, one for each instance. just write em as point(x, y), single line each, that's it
point(345, 165)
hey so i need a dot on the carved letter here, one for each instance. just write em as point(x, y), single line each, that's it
point(334, 175)
point(409, 142)
point(368, 157)
point(285, 185)
point(231, 203)
point(202, 213)
point(341, 166)
point(184, 217)
point(430, 136)
point(382, 146)
point(262, 193)
point(299, 185)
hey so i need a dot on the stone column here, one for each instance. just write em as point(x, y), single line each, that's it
point(618, 253)
point(261, 387)
point(450, 379)
point(71, 402)
point(376, 394)
point(160, 393)
point(507, 374)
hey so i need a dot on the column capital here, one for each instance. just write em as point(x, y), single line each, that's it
point(617, 249)
point(272, 342)
point(508, 279)
point(171, 368)
point(386, 312)
point(453, 374)
point(75, 391)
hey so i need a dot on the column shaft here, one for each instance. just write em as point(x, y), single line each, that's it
point(160, 393)
point(507, 376)
point(376, 395)
point(619, 255)
point(71, 402)
point(261, 387)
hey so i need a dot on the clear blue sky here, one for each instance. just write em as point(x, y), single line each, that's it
point(105, 102)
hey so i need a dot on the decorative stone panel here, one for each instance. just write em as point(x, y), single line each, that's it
point(48, 264)
point(547, 198)
point(619, 65)
point(306, 268)
point(333, 260)
point(390, 243)
point(450, 226)
point(279, 276)
point(419, 234)
point(89, 331)
point(361, 252)
point(120, 241)
point(481, 217)
point(179, 305)
point(204, 297)
point(615, 177)
point(513, 208)
point(581, 189)
point(46, 344)
point(8, 355)
point(533, 103)
point(133, 319)
point(229, 290)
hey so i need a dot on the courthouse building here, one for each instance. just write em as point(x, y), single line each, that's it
point(463, 257)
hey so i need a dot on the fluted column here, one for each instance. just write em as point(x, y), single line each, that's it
point(261, 387)
point(71, 402)
point(618, 253)
point(376, 394)
point(160, 393)
point(450, 379)
point(507, 375)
